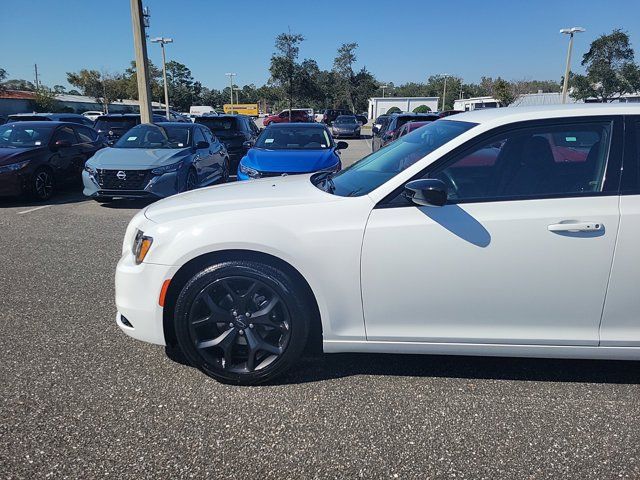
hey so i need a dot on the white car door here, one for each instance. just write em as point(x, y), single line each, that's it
point(621, 316)
point(522, 252)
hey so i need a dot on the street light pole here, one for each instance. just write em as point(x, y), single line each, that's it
point(142, 65)
point(444, 93)
point(383, 88)
point(231, 75)
point(162, 41)
point(565, 85)
point(237, 90)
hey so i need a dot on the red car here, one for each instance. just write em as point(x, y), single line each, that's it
point(283, 117)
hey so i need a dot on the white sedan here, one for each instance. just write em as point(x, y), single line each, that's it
point(509, 232)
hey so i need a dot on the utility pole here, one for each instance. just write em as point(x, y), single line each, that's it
point(565, 84)
point(231, 75)
point(142, 63)
point(444, 93)
point(35, 66)
point(383, 87)
point(162, 41)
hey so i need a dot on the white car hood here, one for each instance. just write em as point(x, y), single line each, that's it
point(246, 195)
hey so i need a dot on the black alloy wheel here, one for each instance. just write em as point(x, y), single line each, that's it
point(42, 184)
point(241, 322)
point(192, 180)
point(225, 171)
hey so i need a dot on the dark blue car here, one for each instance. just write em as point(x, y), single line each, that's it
point(291, 148)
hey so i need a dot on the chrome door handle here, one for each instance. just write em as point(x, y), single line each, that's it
point(576, 227)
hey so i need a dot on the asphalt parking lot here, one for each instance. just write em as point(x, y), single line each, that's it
point(82, 400)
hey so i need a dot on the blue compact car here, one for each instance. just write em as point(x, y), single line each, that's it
point(291, 148)
point(155, 161)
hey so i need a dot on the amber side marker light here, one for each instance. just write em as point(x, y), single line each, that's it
point(141, 246)
point(163, 292)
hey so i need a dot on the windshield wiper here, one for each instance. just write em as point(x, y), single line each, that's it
point(326, 178)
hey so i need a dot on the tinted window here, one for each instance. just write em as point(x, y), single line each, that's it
point(155, 136)
point(107, 123)
point(20, 135)
point(532, 162)
point(198, 136)
point(222, 127)
point(379, 167)
point(86, 135)
point(65, 134)
point(28, 118)
point(346, 119)
point(293, 138)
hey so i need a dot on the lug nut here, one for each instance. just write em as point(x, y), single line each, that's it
point(231, 325)
point(251, 325)
point(241, 332)
point(248, 314)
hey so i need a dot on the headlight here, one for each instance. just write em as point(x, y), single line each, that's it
point(90, 170)
point(174, 167)
point(141, 246)
point(14, 166)
point(251, 172)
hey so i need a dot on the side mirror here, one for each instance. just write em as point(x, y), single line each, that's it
point(247, 144)
point(202, 145)
point(62, 144)
point(341, 145)
point(426, 192)
point(375, 129)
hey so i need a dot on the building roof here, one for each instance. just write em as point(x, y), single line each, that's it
point(517, 114)
point(404, 98)
point(548, 98)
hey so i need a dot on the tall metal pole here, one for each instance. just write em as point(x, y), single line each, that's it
point(231, 75)
point(142, 63)
point(565, 84)
point(164, 76)
point(35, 66)
point(444, 94)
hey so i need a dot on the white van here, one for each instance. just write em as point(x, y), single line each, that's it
point(201, 110)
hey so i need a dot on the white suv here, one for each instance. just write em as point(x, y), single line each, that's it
point(508, 232)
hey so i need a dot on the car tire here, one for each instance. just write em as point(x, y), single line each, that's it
point(191, 181)
point(221, 340)
point(42, 184)
point(226, 169)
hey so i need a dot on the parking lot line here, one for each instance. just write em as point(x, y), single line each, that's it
point(34, 209)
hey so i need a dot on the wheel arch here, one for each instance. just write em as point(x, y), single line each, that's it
point(186, 271)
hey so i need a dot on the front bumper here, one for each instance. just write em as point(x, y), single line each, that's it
point(158, 187)
point(12, 183)
point(137, 294)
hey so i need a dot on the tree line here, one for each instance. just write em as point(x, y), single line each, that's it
point(610, 71)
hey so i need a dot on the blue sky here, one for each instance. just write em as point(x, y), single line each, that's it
point(399, 41)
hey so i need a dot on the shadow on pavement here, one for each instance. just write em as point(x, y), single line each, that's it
point(63, 196)
point(322, 367)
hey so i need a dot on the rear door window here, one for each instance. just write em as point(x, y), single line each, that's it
point(65, 134)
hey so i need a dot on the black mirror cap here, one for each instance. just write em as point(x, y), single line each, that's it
point(202, 144)
point(247, 144)
point(426, 192)
point(341, 145)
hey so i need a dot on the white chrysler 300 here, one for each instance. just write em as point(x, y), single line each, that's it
point(509, 232)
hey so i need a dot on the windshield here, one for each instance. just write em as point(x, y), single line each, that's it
point(155, 136)
point(377, 168)
point(300, 138)
point(222, 127)
point(114, 122)
point(346, 120)
point(21, 136)
point(28, 118)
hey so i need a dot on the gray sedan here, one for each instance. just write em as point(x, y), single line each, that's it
point(346, 126)
point(156, 161)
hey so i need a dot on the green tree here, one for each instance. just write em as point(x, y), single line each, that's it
point(104, 87)
point(421, 109)
point(503, 92)
point(44, 100)
point(343, 67)
point(183, 90)
point(284, 69)
point(393, 110)
point(3, 76)
point(19, 84)
point(610, 69)
point(130, 80)
point(59, 89)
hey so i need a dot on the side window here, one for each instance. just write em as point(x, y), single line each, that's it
point(86, 135)
point(66, 134)
point(528, 163)
point(198, 136)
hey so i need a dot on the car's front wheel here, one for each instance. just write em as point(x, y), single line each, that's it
point(242, 322)
point(42, 184)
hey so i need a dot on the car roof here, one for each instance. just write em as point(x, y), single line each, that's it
point(173, 124)
point(517, 114)
point(47, 123)
point(296, 124)
point(51, 115)
point(226, 115)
